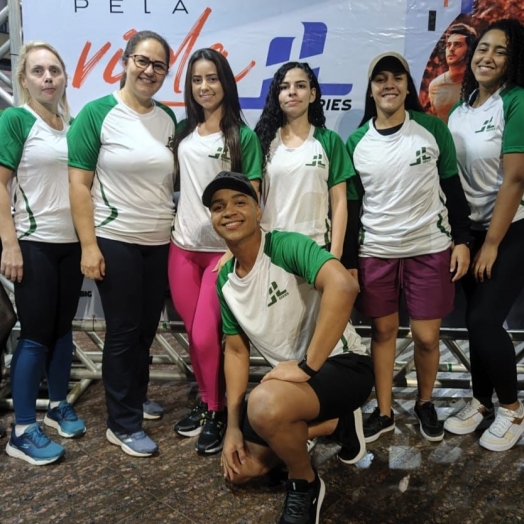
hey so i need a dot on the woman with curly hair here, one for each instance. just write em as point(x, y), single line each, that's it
point(213, 138)
point(306, 165)
point(414, 232)
point(489, 137)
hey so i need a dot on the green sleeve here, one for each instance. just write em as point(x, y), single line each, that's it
point(83, 137)
point(168, 111)
point(251, 153)
point(15, 125)
point(447, 160)
point(297, 254)
point(230, 326)
point(513, 137)
point(355, 189)
point(340, 165)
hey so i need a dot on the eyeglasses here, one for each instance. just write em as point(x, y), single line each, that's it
point(142, 62)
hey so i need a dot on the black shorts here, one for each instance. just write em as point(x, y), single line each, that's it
point(342, 385)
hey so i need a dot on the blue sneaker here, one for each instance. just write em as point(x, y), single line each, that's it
point(136, 444)
point(152, 410)
point(34, 446)
point(64, 419)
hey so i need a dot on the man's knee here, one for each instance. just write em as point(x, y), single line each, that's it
point(263, 409)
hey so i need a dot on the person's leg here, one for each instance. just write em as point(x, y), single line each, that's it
point(35, 298)
point(207, 333)
point(61, 415)
point(487, 310)
point(488, 307)
point(185, 277)
point(426, 339)
point(383, 350)
point(379, 300)
point(70, 280)
point(154, 287)
point(121, 293)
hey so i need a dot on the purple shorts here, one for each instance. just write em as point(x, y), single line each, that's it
point(425, 281)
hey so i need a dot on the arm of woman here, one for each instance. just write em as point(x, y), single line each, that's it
point(458, 213)
point(339, 218)
point(11, 265)
point(508, 200)
point(80, 182)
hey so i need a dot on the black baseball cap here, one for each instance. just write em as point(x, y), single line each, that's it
point(228, 180)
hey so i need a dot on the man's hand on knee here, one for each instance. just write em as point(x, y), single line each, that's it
point(233, 453)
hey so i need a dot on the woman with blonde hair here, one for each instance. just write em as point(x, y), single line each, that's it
point(41, 253)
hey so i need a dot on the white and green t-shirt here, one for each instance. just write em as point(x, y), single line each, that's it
point(482, 136)
point(276, 305)
point(133, 164)
point(37, 154)
point(403, 206)
point(201, 158)
point(297, 183)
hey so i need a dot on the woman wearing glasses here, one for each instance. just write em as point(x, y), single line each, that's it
point(123, 217)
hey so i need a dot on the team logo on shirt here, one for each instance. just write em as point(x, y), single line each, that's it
point(171, 142)
point(486, 126)
point(222, 154)
point(275, 294)
point(421, 157)
point(317, 161)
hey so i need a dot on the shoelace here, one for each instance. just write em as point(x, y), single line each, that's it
point(466, 411)
point(67, 412)
point(211, 420)
point(37, 436)
point(502, 423)
point(296, 504)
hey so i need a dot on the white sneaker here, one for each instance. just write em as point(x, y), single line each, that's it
point(505, 432)
point(311, 443)
point(472, 416)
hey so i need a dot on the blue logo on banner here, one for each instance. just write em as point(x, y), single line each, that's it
point(279, 52)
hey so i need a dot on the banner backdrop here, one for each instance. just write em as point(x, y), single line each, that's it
point(337, 38)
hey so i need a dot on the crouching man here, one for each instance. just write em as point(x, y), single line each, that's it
point(292, 300)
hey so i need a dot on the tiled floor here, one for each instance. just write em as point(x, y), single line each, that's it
point(403, 478)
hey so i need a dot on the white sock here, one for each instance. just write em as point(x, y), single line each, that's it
point(54, 403)
point(20, 428)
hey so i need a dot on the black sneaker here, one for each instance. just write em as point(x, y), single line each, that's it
point(377, 424)
point(191, 425)
point(303, 501)
point(211, 439)
point(350, 435)
point(431, 427)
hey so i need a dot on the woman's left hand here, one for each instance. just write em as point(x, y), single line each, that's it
point(460, 258)
point(484, 261)
point(223, 260)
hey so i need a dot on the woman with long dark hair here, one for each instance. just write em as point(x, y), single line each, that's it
point(213, 138)
point(305, 164)
point(487, 128)
point(409, 240)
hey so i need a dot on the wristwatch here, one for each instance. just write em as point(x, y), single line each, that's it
point(306, 369)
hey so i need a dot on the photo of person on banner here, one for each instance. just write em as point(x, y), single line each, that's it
point(444, 90)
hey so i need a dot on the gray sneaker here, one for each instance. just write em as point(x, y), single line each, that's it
point(152, 410)
point(136, 444)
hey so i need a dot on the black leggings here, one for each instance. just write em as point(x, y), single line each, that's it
point(132, 293)
point(492, 354)
point(47, 298)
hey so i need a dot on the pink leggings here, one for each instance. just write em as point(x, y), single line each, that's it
point(193, 289)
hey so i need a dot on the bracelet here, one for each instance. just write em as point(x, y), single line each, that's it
point(306, 369)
